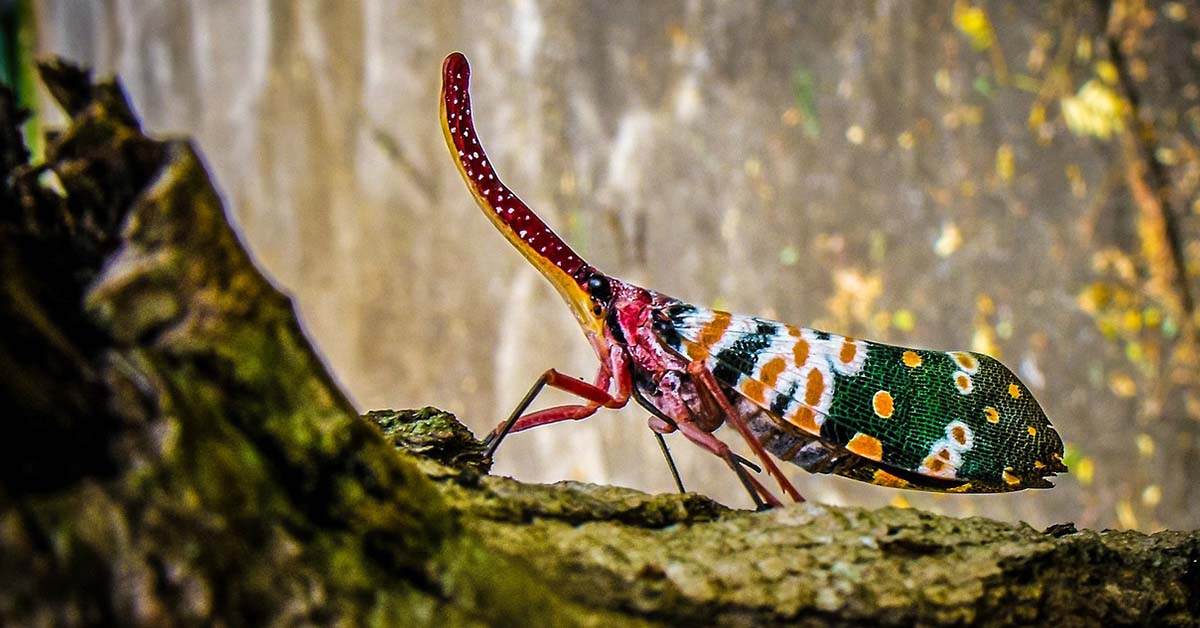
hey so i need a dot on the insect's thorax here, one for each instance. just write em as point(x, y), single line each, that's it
point(633, 311)
point(638, 321)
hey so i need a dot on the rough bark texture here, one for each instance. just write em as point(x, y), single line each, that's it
point(175, 453)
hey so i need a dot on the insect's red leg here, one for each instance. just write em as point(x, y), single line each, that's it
point(553, 415)
point(714, 445)
point(558, 380)
point(700, 371)
point(596, 394)
point(578, 387)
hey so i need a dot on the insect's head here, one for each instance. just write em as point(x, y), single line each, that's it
point(595, 312)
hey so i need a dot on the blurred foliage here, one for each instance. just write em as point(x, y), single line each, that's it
point(1095, 110)
point(805, 111)
point(17, 45)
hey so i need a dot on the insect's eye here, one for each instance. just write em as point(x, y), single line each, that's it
point(599, 289)
point(662, 325)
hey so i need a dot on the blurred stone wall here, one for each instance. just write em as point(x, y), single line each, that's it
point(938, 174)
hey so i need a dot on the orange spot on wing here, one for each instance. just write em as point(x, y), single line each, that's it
point(1013, 391)
point(866, 446)
point(911, 359)
point(849, 349)
point(805, 416)
point(814, 388)
point(769, 373)
point(962, 381)
point(1032, 430)
point(959, 434)
point(883, 478)
point(800, 352)
point(944, 454)
point(806, 419)
point(935, 464)
point(754, 390)
point(966, 361)
point(1038, 464)
point(712, 331)
point(992, 415)
point(792, 330)
point(1010, 479)
point(883, 404)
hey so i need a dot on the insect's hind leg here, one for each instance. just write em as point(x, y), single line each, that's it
point(661, 424)
point(706, 380)
point(762, 497)
point(666, 452)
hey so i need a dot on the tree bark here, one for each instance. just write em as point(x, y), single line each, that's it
point(174, 452)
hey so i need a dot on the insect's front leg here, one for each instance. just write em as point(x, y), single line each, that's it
point(597, 395)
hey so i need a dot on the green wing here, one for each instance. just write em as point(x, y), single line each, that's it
point(960, 419)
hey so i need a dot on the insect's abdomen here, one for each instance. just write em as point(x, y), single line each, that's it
point(961, 419)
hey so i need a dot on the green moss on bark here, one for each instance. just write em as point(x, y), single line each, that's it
point(685, 559)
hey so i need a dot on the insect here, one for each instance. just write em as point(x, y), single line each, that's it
point(892, 416)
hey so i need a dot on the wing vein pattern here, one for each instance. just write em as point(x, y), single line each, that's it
point(942, 415)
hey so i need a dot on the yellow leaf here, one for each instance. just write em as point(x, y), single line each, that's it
point(855, 135)
point(1122, 385)
point(1085, 471)
point(1037, 115)
point(1094, 110)
point(1095, 297)
point(974, 23)
point(1151, 495)
point(1135, 352)
point(1145, 445)
point(1107, 72)
point(1132, 321)
point(984, 341)
point(904, 320)
point(1125, 515)
point(949, 241)
point(1083, 48)
point(1005, 163)
point(1075, 177)
point(1152, 316)
point(984, 304)
point(942, 81)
